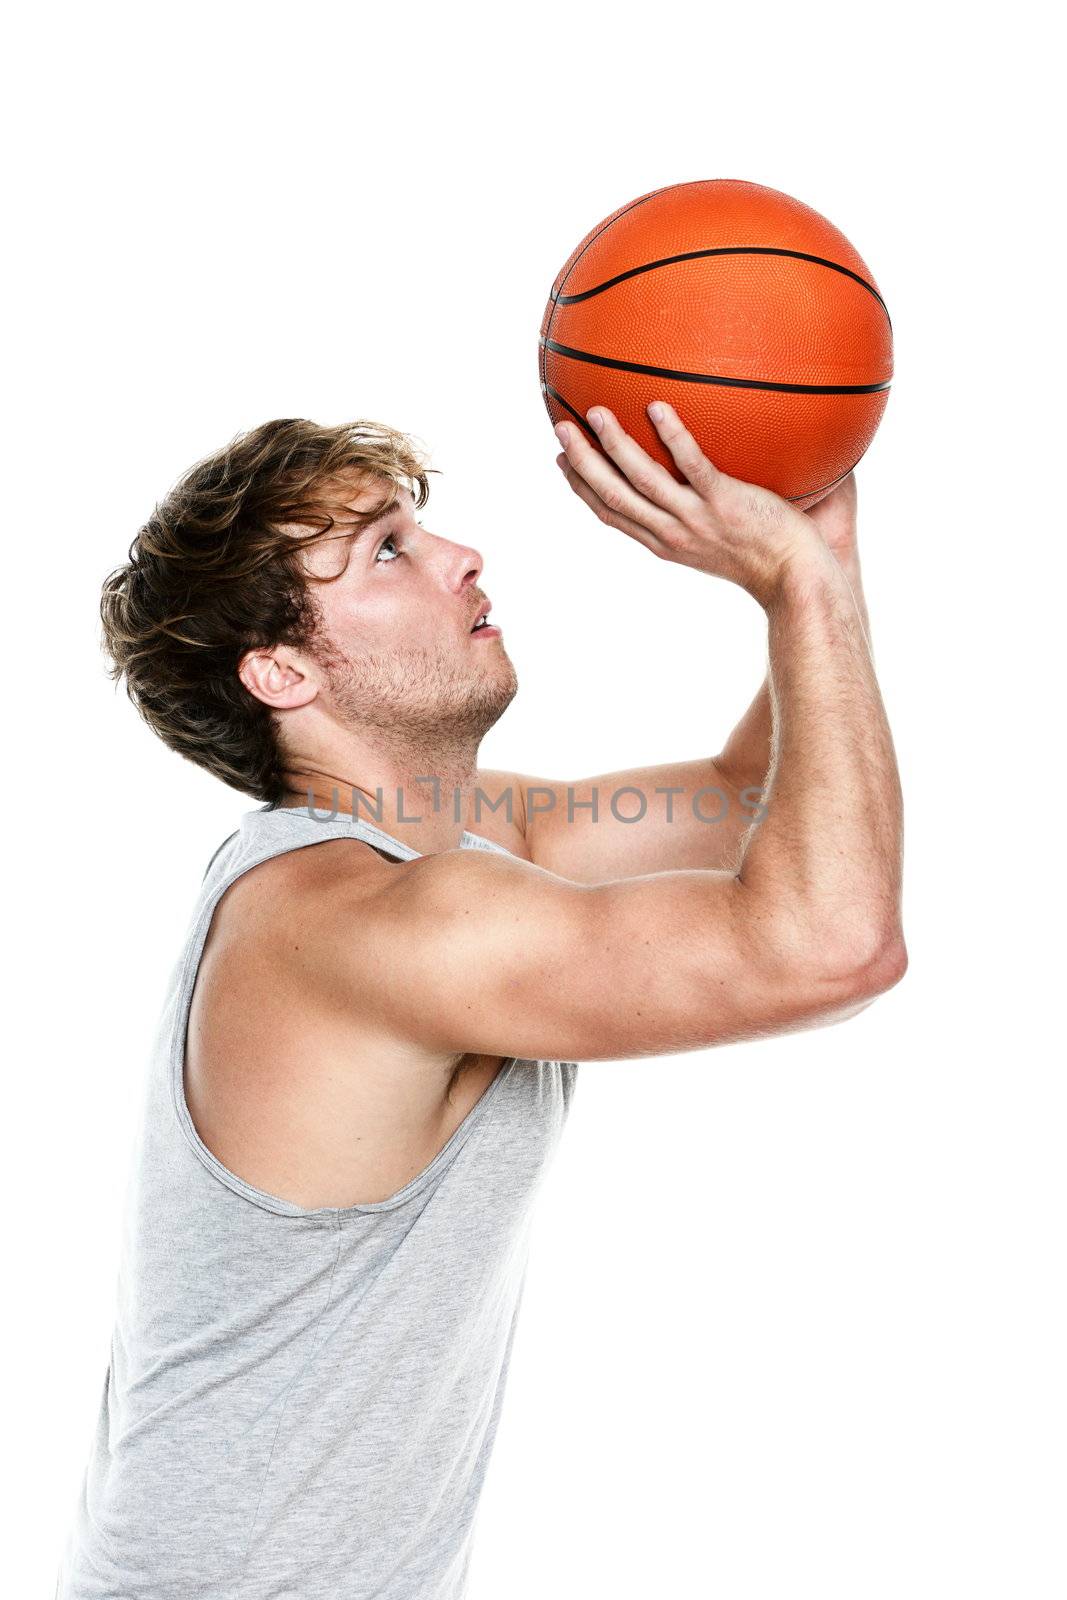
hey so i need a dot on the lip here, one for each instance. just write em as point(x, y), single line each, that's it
point(483, 611)
point(490, 631)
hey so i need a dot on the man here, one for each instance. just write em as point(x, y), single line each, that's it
point(369, 1047)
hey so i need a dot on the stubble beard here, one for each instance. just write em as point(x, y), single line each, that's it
point(422, 705)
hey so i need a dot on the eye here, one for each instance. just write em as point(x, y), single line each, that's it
point(389, 539)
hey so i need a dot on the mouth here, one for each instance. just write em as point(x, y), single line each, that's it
point(482, 626)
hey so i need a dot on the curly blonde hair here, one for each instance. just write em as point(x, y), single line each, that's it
point(216, 571)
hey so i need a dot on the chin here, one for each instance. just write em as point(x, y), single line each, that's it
point(494, 693)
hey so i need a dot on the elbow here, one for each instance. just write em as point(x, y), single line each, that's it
point(872, 965)
point(821, 973)
point(835, 990)
point(893, 964)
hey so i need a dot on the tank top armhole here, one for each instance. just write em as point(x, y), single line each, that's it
point(228, 869)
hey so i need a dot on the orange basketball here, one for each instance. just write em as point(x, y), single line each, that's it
point(745, 309)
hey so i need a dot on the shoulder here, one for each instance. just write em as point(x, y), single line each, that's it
point(327, 888)
point(297, 882)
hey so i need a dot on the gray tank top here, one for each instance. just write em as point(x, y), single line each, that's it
point(300, 1404)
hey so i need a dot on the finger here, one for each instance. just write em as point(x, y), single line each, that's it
point(651, 480)
point(684, 450)
point(612, 488)
point(613, 519)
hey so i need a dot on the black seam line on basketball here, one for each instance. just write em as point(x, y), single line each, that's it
point(725, 250)
point(599, 234)
point(554, 300)
point(577, 415)
point(610, 223)
point(707, 377)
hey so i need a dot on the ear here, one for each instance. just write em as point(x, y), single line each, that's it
point(277, 678)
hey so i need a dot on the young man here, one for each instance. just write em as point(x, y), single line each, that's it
point(369, 1047)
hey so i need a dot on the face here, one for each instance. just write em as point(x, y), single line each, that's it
point(395, 650)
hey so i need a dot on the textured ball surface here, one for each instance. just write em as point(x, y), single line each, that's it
point(746, 310)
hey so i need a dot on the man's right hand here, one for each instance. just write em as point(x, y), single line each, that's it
point(712, 522)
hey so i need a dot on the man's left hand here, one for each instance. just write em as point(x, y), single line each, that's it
point(835, 517)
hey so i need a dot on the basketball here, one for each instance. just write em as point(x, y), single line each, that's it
point(746, 310)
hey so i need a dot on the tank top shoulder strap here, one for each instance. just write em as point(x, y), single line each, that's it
point(272, 830)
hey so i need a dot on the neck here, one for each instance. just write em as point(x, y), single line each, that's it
point(423, 800)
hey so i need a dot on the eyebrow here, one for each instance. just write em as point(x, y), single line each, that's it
point(395, 504)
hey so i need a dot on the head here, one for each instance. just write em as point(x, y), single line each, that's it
point(284, 605)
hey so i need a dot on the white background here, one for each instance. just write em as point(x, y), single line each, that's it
point(793, 1323)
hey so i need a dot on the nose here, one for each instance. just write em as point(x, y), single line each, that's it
point(461, 564)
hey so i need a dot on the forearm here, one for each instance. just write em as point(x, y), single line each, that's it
point(825, 862)
point(850, 566)
point(746, 756)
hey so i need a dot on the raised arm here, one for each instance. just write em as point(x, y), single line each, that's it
point(474, 952)
point(694, 812)
point(745, 757)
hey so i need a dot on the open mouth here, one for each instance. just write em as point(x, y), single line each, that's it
point(483, 625)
